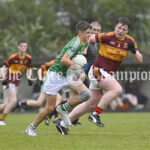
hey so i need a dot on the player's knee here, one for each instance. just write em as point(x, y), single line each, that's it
point(13, 101)
point(84, 95)
point(118, 90)
point(92, 106)
point(39, 104)
point(49, 109)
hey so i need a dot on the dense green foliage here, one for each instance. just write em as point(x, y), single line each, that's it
point(122, 131)
point(48, 24)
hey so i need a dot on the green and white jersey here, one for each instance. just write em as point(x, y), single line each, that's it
point(72, 48)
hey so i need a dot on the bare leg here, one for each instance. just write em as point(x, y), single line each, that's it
point(132, 99)
point(2, 106)
point(112, 88)
point(120, 104)
point(12, 100)
point(58, 99)
point(38, 102)
point(50, 105)
point(86, 106)
point(74, 99)
point(74, 96)
point(119, 101)
point(6, 100)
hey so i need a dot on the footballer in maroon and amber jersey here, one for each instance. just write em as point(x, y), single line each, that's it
point(16, 66)
point(112, 51)
point(46, 66)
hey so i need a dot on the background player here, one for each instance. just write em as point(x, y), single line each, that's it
point(15, 65)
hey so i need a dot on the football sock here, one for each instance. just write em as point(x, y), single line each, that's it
point(3, 116)
point(32, 126)
point(63, 124)
point(97, 110)
point(66, 106)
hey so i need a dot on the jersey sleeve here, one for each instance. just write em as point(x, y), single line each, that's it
point(8, 61)
point(46, 65)
point(72, 47)
point(102, 37)
point(132, 40)
point(43, 67)
point(135, 44)
point(30, 63)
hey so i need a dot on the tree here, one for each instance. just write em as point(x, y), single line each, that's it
point(47, 25)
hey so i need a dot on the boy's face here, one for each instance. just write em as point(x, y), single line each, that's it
point(22, 47)
point(85, 34)
point(95, 29)
point(121, 30)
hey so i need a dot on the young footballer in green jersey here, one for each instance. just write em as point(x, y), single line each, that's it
point(56, 78)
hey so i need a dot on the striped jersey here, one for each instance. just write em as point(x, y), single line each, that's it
point(16, 66)
point(46, 66)
point(112, 51)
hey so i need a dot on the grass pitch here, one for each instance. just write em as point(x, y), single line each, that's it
point(122, 131)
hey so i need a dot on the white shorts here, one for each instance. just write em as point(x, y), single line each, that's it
point(93, 81)
point(11, 86)
point(53, 83)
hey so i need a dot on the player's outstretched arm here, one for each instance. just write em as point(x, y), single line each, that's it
point(92, 38)
point(138, 57)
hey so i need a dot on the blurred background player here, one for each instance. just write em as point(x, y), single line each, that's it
point(92, 50)
point(11, 73)
point(124, 101)
point(132, 88)
point(42, 71)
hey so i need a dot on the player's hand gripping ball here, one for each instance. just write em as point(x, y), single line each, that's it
point(79, 60)
point(75, 75)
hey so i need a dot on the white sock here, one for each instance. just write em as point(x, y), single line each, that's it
point(62, 123)
point(94, 113)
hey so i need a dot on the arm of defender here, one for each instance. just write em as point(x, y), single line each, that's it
point(39, 73)
point(138, 57)
point(3, 72)
point(92, 38)
point(29, 72)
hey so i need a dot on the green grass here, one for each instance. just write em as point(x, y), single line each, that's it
point(122, 131)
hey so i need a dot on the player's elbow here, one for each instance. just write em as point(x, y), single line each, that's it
point(66, 62)
point(63, 61)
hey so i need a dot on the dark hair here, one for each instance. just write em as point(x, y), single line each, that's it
point(124, 21)
point(82, 26)
point(22, 41)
